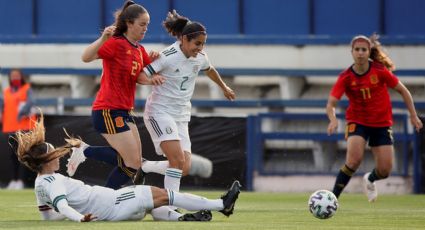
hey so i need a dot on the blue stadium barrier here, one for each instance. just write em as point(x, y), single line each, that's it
point(225, 72)
point(256, 138)
point(240, 103)
point(300, 22)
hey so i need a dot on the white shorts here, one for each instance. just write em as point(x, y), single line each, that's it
point(128, 203)
point(163, 127)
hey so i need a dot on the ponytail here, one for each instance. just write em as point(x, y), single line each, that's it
point(378, 54)
point(179, 26)
point(129, 12)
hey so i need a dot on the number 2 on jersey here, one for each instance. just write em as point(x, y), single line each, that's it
point(182, 87)
point(134, 68)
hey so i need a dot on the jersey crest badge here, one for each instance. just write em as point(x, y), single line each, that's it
point(128, 52)
point(169, 130)
point(119, 122)
point(374, 79)
point(196, 69)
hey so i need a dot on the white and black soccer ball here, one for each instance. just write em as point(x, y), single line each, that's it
point(323, 204)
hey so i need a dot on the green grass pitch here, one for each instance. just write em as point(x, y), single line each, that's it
point(257, 211)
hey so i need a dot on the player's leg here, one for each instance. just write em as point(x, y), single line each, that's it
point(355, 152)
point(139, 178)
point(381, 143)
point(200, 166)
point(191, 202)
point(176, 159)
point(165, 136)
point(107, 123)
point(127, 147)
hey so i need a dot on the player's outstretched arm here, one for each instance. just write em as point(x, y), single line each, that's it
point(213, 74)
point(48, 213)
point(408, 100)
point(155, 79)
point(71, 213)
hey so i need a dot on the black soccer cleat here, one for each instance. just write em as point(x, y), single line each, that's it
point(230, 197)
point(139, 177)
point(203, 215)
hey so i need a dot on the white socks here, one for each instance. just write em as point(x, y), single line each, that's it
point(155, 167)
point(193, 202)
point(165, 213)
point(172, 179)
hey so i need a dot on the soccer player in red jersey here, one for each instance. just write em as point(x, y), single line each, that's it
point(123, 59)
point(369, 114)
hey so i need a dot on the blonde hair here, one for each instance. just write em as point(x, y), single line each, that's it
point(34, 152)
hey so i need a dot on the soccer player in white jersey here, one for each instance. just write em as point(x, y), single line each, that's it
point(60, 197)
point(168, 108)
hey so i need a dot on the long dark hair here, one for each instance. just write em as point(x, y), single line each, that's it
point(128, 13)
point(179, 26)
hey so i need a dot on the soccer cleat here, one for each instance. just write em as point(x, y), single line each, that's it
point(370, 188)
point(230, 197)
point(77, 157)
point(203, 215)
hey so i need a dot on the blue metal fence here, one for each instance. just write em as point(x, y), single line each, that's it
point(256, 138)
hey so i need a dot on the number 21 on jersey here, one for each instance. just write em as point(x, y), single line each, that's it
point(134, 67)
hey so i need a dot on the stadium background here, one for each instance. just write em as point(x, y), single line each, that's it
point(279, 55)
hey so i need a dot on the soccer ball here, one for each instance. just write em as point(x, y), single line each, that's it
point(323, 204)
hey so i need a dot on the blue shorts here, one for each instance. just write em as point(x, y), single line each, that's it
point(376, 136)
point(112, 121)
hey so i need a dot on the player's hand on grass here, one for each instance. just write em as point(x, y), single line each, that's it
point(88, 217)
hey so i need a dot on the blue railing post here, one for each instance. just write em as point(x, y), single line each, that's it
point(406, 141)
point(417, 164)
point(250, 150)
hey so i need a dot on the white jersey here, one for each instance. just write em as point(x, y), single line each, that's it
point(173, 96)
point(102, 202)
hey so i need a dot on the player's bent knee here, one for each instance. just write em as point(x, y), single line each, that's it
point(133, 162)
point(177, 162)
point(159, 196)
point(384, 173)
point(129, 171)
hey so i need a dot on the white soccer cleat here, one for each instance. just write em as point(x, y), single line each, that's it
point(370, 188)
point(77, 157)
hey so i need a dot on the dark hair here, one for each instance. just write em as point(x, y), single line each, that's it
point(179, 26)
point(23, 81)
point(128, 13)
point(378, 54)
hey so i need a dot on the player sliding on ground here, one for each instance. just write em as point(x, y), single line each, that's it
point(60, 197)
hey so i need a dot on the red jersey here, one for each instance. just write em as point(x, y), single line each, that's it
point(369, 100)
point(122, 63)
